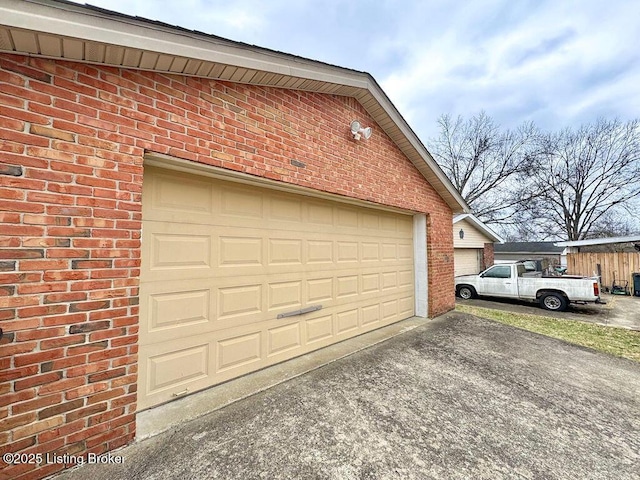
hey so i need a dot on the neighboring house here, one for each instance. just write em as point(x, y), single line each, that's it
point(172, 201)
point(547, 253)
point(615, 259)
point(473, 244)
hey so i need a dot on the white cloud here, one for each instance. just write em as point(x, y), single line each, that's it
point(558, 63)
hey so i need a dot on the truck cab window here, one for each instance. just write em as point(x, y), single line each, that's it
point(498, 272)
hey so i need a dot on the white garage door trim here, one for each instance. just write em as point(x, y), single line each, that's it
point(421, 293)
point(181, 345)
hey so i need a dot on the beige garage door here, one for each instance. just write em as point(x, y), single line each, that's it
point(467, 261)
point(222, 260)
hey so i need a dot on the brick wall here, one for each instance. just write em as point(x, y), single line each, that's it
point(488, 257)
point(72, 142)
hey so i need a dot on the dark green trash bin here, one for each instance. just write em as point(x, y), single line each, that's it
point(636, 284)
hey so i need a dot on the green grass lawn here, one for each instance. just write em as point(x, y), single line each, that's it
point(615, 341)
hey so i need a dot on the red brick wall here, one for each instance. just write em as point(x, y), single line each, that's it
point(440, 262)
point(72, 141)
point(488, 255)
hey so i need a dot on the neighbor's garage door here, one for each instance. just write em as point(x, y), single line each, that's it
point(466, 261)
point(221, 260)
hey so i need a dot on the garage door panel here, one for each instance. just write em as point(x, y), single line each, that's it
point(241, 348)
point(285, 251)
point(242, 300)
point(347, 286)
point(285, 208)
point(368, 298)
point(165, 199)
point(239, 351)
point(370, 283)
point(203, 251)
point(319, 290)
point(318, 329)
point(178, 367)
point(236, 251)
point(282, 339)
point(168, 194)
point(370, 314)
point(347, 321)
point(405, 278)
point(172, 312)
point(319, 251)
point(389, 251)
point(189, 247)
point(466, 261)
point(389, 280)
point(390, 309)
point(173, 367)
point(370, 251)
point(284, 295)
point(225, 204)
point(347, 217)
point(405, 306)
point(179, 308)
point(389, 223)
point(405, 251)
point(347, 251)
point(369, 220)
point(217, 272)
point(204, 305)
point(320, 214)
point(195, 307)
point(239, 204)
point(180, 250)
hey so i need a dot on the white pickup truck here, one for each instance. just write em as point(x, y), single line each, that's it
point(508, 281)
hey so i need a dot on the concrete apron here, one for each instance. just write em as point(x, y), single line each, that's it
point(166, 416)
point(623, 311)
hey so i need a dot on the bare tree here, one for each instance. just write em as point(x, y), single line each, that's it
point(485, 164)
point(588, 180)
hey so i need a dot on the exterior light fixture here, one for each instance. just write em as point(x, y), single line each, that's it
point(358, 131)
point(461, 234)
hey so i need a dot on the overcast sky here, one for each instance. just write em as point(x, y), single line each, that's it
point(559, 63)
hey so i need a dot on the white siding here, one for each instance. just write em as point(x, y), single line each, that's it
point(473, 238)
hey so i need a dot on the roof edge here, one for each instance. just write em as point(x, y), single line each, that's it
point(599, 241)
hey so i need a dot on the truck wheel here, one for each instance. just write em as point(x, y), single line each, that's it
point(553, 301)
point(466, 293)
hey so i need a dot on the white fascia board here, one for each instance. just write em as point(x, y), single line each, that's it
point(384, 101)
point(525, 253)
point(63, 20)
point(598, 241)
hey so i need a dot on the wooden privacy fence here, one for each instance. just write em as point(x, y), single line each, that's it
point(622, 264)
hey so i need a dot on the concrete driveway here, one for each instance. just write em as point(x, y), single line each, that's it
point(459, 397)
point(620, 311)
